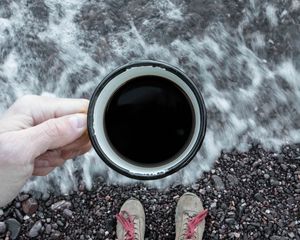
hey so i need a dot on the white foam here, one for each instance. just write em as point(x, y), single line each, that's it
point(271, 15)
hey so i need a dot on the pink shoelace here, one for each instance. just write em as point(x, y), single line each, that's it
point(194, 222)
point(127, 223)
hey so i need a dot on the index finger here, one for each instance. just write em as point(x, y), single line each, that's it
point(43, 108)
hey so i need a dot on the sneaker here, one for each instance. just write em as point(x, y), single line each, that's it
point(131, 221)
point(190, 217)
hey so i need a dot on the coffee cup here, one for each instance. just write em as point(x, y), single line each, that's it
point(146, 120)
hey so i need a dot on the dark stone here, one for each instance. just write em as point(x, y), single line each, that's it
point(2, 227)
point(23, 197)
point(55, 235)
point(61, 205)
point(230, 221)
point(259, 197)
point(14, 227)
point(60, 223)
point(46, 196)
point(274, 182)
point(34, 231)
point(30, 206)
point(19, 215)
point(232, 180)
point(48, 229)
point(284, 166)
point(218, 183)
point(68, 213)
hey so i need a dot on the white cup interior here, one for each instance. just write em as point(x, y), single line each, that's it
point(99, 125)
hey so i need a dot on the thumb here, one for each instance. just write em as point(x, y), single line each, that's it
point(56, 132)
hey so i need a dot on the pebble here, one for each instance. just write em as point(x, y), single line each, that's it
point(61, 205)
point(213, 205)
point(30, 206)
point(34, 231)
point(1, 212)
point(230, 221)
point(274, 182)
point(266, 176)
point(284, 166)
point(55, 235)
point(202, 191)
point(14, 227)
point(48, 228)
point(23, 197)
point(259, 197)
point(60, 223)
point(232, 180)
point(291, 235)
point(19, 215)
point(2, 227)
point(218, 182)
point(68, 213)
point(46, 196)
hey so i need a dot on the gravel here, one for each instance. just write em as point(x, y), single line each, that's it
point(243, 203)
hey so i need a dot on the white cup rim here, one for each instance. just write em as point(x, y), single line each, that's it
point(116, 79)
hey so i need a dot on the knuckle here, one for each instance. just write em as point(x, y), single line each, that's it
point(52, 129)
point(23, 101)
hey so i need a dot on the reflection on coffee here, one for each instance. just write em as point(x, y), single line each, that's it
point(149, 120)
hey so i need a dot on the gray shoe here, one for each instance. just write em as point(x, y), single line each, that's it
point(131, 221)
point(190, 217)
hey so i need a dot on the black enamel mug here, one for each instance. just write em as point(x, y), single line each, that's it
point(146, 120)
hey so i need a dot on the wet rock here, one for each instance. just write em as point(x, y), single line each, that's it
point(60, 223)
point(55, 235)
point(19, 215)
point(230, 221)
point(284, 166)
point(23, 197)
point(266, 176)
point(291, 235)
point(14, 227)
point(259, 197)
point(68, 213)
point(30, 206)
point(46, 196)
point(232, 180)
point(48, 229)
point(274, 182)
point(218, 182)
point(2, 227)
point(34, 231)
point(61, 205)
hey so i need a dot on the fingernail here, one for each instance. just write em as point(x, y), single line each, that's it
point(78, 121)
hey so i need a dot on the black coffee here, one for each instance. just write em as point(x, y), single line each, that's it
point(149, 120)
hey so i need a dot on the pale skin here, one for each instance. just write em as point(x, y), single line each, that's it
point(38, 134)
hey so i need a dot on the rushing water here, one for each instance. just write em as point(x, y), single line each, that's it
point(243, 55)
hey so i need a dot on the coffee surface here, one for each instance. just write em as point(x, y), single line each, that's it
point(148, 120)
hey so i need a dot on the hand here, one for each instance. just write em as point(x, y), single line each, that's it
point(38, 134)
